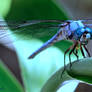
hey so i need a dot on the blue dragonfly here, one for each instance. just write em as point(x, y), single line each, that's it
point(77, 31)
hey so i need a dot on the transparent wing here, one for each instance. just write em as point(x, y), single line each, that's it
point(34, 28)
point(87, 22)
point(30, 29)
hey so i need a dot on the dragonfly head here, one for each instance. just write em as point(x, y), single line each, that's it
point(86, 36)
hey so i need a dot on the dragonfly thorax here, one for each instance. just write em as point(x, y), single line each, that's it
point(76, 30)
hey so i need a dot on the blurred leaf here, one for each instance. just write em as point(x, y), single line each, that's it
point(80, 70)
point(8, 83)
point(55, 81)
point(4, 7)
point(35, 9)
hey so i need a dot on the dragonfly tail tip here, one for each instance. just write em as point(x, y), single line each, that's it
point(31, 57)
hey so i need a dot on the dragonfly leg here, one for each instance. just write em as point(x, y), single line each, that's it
point(87, 50)
point(64, 58)
point(73, 48)
point(66, 53)
point(82, 51)
point(76, 53)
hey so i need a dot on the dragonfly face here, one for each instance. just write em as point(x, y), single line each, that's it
point(86, 35)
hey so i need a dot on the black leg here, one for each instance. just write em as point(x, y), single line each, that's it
point(75, 45)
point(64, 58)
point(66, 53)
point(76, 53)
point(87, 50)
point(82, 51)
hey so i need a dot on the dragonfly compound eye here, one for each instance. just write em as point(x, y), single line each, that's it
point(89, 30)
point(89, 33)
point(88, 36)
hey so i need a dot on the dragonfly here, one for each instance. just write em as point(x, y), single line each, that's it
point(77, 31)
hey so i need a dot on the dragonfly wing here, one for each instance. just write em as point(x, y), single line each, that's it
point(87, 23)
point(34, 29)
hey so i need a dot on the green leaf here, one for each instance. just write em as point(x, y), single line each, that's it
point(80, 70)
point(55, 81)
point(35, 9)
point(8, 83)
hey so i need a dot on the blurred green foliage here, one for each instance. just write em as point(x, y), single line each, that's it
point(34, 9)
point(8, 83)
point(4, 7)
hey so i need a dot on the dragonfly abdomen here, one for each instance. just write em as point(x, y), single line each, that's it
point(50, 42)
